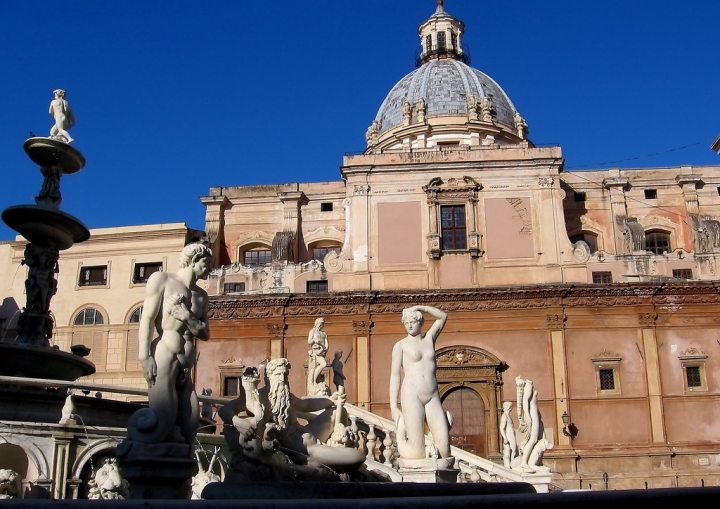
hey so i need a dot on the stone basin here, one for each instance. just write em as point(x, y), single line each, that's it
point(47, 152)
point(42, 362)
point(45, 226)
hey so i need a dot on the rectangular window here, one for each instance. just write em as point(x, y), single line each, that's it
point(231, 386)
point(452, 225)
point(317, 287)
point(693, 376)
point(607, 379)
point(651, 194)
point(234, 287)
point(319, 253)
point(257, 258)
point(326, 207)
point(143, 271)
point(602, 277)
point(93, 276)
point(682, 273)
point(442, 45)
point(580, 196)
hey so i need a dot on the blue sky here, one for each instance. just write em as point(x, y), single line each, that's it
point(172, 98)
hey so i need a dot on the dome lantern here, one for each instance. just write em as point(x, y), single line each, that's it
point(441, 37)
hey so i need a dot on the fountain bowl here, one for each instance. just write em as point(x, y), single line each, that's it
point(45, 226)
point(47, 152)
point(42, 362)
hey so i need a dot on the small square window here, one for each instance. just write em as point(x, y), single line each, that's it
point(93, 276)
point(682, 273)
point(231, 386)
point(317, 287)
point(607, 373)
point(234, 287)
point(651, 194)
point(143, 271)
point(607, 379)
point(693, 366)
point(326, 207)
point(602, 277)
point(718, 190)
point(580, 196)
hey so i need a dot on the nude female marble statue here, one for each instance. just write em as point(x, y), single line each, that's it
point(419, 396)
point(174, 315)
point(64, 118)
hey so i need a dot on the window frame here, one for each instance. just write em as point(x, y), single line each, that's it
point(229, 369)
point(241, 284)
point(313, 281)
point(131, 316)
point(453, 191)
point(694, 358)
point(83, 312)
point(454, 229)
point(593, 244)
point(84, 282)
point(607, 361)
point(441, 40)
point(652, 234)
point(601, 274)
point(316, 252)
point(267, 253)
point(676, 273)
point(140, 267)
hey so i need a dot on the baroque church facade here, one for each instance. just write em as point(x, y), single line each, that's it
point(600, 286)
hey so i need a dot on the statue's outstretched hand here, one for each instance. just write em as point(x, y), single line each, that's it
point(149, 367)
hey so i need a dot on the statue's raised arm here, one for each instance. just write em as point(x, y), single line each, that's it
point(440, 319)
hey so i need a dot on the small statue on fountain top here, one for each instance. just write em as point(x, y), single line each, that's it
point(64, 118)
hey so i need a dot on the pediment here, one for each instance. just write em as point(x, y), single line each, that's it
point(465, 356)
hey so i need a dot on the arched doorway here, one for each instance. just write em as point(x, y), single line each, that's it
point(470, 384)
point(468, 411)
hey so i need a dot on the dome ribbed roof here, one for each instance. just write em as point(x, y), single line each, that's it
point(445, 85)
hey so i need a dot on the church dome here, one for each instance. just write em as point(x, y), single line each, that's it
point(444, 101)
point(446, 85)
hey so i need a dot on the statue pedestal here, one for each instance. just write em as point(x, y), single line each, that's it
point(156, 471)
point(540, 479)
point(428, 470)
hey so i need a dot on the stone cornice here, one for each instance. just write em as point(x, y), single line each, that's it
point(662, 296)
